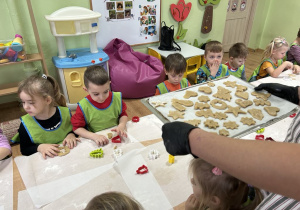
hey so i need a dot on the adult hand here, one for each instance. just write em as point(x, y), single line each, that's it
point(282, 91)
point(50, 150)
point(176, 137)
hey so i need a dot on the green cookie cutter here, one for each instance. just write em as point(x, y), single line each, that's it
point(98, 153)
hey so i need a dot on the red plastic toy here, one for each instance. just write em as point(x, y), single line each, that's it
point(259, 137)
point(135, 119)
point(142, 170)
point(100, 59)
point(93, 61)
point(116, 139)
point(293, 115)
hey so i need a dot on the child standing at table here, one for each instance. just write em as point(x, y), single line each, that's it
point(175, 67)
point(215, 189)
point(272, 63)
point(113, 201)
point(237, 57)
point(5, 148)
point(100, 109)
point(47, 123)
point(213, 68)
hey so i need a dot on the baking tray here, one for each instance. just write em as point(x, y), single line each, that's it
point(286, 107)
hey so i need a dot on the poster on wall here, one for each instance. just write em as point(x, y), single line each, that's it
point(135, 22)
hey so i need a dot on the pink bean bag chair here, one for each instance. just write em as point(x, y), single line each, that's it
point(135, 74)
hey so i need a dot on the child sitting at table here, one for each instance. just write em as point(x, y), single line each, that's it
point(113, 201)
point(237, 57)
point(175, 66)
point(47, 122)
point(100, 109)
point(213, 68)
point(5, 148)
point(215, 189)
point(272, 63)
point(293, 55)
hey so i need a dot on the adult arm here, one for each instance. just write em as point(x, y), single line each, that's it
point(272, 166)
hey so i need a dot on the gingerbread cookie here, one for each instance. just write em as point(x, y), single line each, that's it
point(211, 84)
point(223, 93)
point(241, 88)
point(243, 95)
point(218, 104)
point(234, 110)
point(220, 115)
point(109, 135)
point(204, 113)
point(205, 89)
point(178, 106)
point(230, 125)
point(193, 122)
point(248, 121)
point(224, 132)
point(63, 150)
point(158, 103)
point(261, 102)
point(211, 124)
point(176, 114)
point(263, 96)
point(203, 98)
point(230, 83)
point(271, 110)
point(183, 102)
point(256, 113)
point(201, 106)
point(243, 103)
point(189, 94)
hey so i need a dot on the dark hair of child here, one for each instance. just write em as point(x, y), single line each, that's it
point(113, 201)
point(238, 50)
point(298, 35)
point(96, 75)
point(175, 63)
point(213, 46)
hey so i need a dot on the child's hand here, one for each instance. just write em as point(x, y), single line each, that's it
point(191, 203)
point(100, 139)
point(296, 69)
point(120, 130)
point(71, 140)
point(288, 65)
point(214, 68)
point(50, 150)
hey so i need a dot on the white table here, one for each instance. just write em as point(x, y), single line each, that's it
point(187, 51)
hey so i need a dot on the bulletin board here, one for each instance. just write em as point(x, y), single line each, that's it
point(136, 22)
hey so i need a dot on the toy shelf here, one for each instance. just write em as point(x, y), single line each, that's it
point(8, 89)
point(30, 58)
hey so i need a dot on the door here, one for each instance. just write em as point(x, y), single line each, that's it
point(239, 19)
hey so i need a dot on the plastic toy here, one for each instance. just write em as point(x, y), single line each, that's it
point(260, 130)
point(153, 154)
point(116, 139)
point(259, 137)
point(117, 153)
point(142, 170)
point(17, 43)
point(135, 119)
point(98, 153)
point(269, 139)
point(171, 159)
point(293, 115)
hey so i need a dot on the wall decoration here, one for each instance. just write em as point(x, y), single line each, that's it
point(234, 5)
point(207, 20)
point(228, 6)
point(205, 2)
point(243, 5)
point(135, 22)
point(180, 11)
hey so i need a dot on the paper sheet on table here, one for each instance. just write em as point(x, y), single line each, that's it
point(276, 131)
point(148, 128)
point(6, 183)
point(173, 180)
point(41, 176)
point(285, 78)
point(284, 106)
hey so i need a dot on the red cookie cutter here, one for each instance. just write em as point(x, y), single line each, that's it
point(259, 137)
point(269, 139)
point(142, 170)
point(293, 115)
point(135, 119)
point(116, 139)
